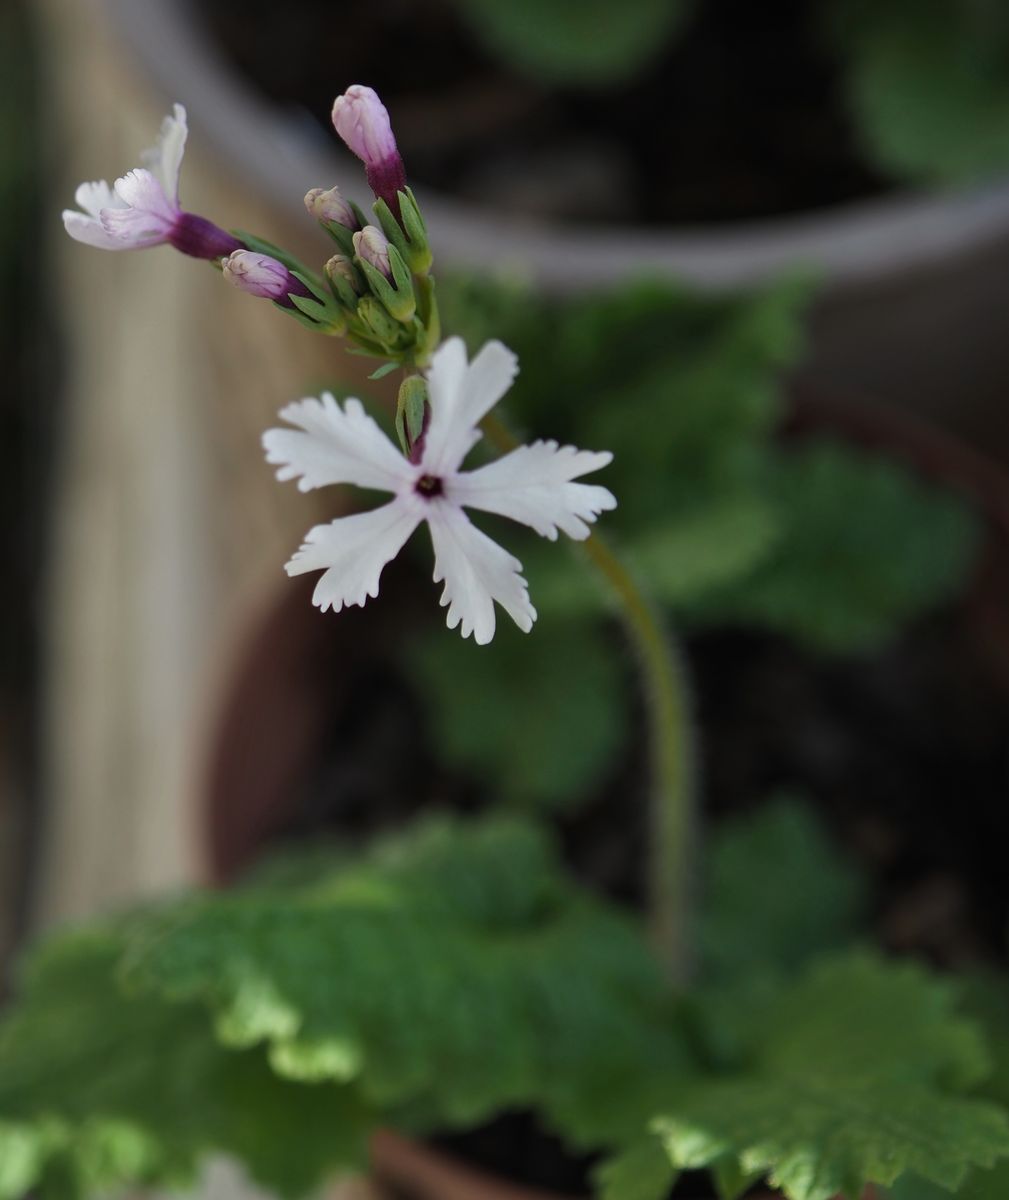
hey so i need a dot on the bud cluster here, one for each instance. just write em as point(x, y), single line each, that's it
point(380, 280)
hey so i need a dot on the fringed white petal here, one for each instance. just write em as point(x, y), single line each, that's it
point(144, 217)
point(476, 572)
point(139, 189)
point(352, 551)
point(335, 445)
point(93, 197)
point(533, 485)
point(164, 159)
point(89, 231)
point(460, 397)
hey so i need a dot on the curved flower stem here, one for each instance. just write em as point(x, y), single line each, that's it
point(672, 818)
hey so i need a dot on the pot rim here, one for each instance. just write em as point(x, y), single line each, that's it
point(282, 153)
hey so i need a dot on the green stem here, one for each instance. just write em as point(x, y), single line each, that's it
point(671, 819)
point(672, 825)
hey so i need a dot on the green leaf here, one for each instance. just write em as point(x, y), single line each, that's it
point(641, 1171)
point(864, 547)
point(759, 867)
point(430, 983)
point(450, 973)
point(849, 1079)
point(576, 41)
point(710, 548)
point(540, 754)
point(382, 371)
point(929, 84)
point(100, 1089)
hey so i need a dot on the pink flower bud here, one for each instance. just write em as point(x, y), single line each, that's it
point(372, 246)
point(330, 206)
point(261, 275)
point(362, 120)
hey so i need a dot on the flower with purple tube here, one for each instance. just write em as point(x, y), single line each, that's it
point(142, 209)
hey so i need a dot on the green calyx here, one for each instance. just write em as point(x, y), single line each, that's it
point(390, 316)
point(411, 412)
point(409, 233)
point(396, 295)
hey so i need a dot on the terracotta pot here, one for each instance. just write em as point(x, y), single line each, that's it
point(271, 716)
point(894, 271)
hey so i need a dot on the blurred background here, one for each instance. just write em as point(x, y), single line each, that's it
point(845, 162)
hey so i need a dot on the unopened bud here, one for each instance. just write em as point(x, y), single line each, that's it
point(340, 269)
point(372, 246)
point(362, 120)
point(330, 207)
point(412, 415)
point(374, 315)
point(261, 275)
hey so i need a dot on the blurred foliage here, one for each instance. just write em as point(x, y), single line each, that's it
point(723, 522)
point(551, 722)
point(929, 84)
point(587, 42)
point(452, 972)
point(864, 548)
point(756, 869)
point(456, 970)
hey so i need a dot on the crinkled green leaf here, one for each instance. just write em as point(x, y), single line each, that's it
point(816, 1143)
point(929, 84)
point(850, 1078)
point(536, 719)
point(777, 892)
point(576, 41)
point(864, 547)
point(454, 972)
point(100, 1089)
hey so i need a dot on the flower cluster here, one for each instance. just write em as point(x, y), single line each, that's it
point(377, 291)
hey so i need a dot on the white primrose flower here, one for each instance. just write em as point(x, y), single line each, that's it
point(532, 485)
point(143, 209)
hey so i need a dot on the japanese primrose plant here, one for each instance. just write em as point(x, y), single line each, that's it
point(457, 970)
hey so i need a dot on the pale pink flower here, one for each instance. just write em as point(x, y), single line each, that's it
point(143, 209)
point(532, 485)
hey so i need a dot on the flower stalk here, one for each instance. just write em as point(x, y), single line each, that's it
point(672, 816)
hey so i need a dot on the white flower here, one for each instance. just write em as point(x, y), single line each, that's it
point(143, 207)
point(532, 484)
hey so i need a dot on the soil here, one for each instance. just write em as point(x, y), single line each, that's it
point(740, 116)
point(903, 754)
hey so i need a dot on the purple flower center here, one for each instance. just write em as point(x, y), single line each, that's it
point(428, 486)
